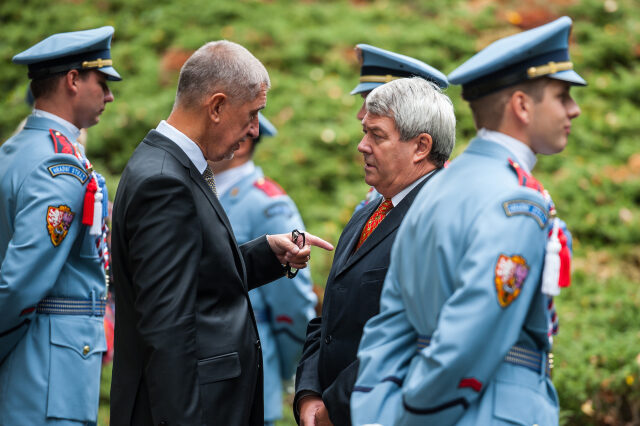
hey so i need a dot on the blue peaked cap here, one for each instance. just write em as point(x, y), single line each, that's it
point(539, 52)
point(266, 128)
point(82, 50)
point(379, 66)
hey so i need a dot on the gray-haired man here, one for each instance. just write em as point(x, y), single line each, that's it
point(409, 133)
point(187, 347)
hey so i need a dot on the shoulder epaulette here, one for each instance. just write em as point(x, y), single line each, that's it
point(269, 187)
point(526, 179)
point(61, 145)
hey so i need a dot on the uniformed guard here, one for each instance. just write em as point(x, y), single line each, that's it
point(466, 321)
point(52, 238)
point(256, 205)
point(379, 66)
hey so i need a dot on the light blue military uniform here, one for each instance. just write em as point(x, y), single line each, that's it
point(379, 66)
point(257, 206)
point(52, 279)
point(463, 331)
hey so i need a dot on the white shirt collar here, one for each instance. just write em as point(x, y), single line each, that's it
point(70, 127)
point(225, 180)
point(395, 200)
point(187, 145)
point(522, 153)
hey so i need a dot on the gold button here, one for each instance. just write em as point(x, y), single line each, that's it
point(86, 349)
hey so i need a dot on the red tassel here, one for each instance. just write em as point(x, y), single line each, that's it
point(89, 200)
point(565, 261)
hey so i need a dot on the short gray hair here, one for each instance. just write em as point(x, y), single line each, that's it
point(417, 106)
point(221, 66)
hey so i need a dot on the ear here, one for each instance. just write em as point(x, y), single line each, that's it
point(215, 104)
point(521, 106)
point(424, 144)
point(70, 81)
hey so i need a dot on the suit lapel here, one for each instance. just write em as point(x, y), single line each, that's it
point(351, 234)
point(388, 225)
point(158, 140)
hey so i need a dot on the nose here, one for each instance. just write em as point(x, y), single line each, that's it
point(363, 146)
point(108, 96)
point(362, 112)
point(573, 109)
point(254, 128)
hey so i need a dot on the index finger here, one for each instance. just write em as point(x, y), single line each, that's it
point(318, 242)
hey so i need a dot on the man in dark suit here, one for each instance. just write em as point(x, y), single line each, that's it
point(187, 350)
point(409, 133)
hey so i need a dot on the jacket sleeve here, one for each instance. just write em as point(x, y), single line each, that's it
point(46, 225)
point(291, 302)
point(261, 263)
point(307, 380)
point(165, 242)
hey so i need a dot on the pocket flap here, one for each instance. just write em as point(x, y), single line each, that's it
point(514, 403)
point(374, 275)
point(84, 335)
point(221, 367)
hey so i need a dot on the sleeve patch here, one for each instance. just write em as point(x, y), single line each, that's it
point(69, 169)
point(58, 223)
point(279, 209)
point(510, 273)
point(527, 208)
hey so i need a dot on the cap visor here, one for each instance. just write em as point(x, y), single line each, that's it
point(111, 73)
point(365, 87)
point(569, 76)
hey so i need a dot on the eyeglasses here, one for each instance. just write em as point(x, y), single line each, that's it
point(295, 237)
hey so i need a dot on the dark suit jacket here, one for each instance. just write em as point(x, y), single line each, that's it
point(186, 344)
point(329, 365)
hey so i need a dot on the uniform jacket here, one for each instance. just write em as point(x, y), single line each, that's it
point(186, 344)
point(465, 274)
point(49, 364)
point(329, 366)
point(257, 206)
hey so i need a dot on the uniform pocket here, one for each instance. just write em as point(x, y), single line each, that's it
point(77, 344)
point(88, 248)
point(514, 404)
point(220, 367)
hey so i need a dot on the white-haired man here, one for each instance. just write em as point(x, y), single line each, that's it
point(409, 133)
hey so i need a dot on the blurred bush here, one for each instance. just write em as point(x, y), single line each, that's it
point(307, 46)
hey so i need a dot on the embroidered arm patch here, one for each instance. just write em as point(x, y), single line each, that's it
point(58, 223)
point(69, 169)
point(510, 273)
point(279, 209)
point(527, 208)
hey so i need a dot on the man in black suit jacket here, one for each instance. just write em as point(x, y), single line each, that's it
point(186, 344)
point(409, 133)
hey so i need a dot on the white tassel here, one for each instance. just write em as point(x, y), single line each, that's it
point(551, 272)
point(96, 226)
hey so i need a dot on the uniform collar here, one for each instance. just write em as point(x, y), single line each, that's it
point(188, 146)
point(227, 179)
point(69, 127)
point(522, 153)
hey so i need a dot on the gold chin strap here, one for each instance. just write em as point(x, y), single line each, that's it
point(378, 78)
point(550, 68)
point(98, 63)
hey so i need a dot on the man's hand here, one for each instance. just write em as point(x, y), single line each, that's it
point(289, 252)
point(311, 409)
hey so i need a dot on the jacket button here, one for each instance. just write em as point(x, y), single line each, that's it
point(258, 345)
point(328, 339)
point(86, 349)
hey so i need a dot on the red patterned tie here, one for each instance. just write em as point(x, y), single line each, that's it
point(374, 220)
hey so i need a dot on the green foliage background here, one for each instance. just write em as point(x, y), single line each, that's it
point(307, 48)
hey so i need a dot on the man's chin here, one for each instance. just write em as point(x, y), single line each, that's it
point(229, 156)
